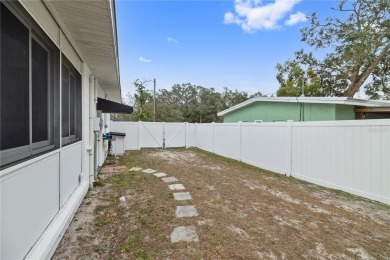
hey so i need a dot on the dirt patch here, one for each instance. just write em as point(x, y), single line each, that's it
point(172, 156)
point(244, 213)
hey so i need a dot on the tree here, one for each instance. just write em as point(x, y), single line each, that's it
point(200, 104)
point(209, 105)
point(357, 45)
point(231, 98)
point(165, 112)
point(379, 88)
point(182, 97)
point(128, 100)
point(257, 94)
point(142, 96)
point(290, 76)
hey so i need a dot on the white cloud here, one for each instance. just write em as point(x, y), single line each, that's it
point(230, 18)
point(172, 40)
point(298, 17)
point(142, 59)
point(253, 15)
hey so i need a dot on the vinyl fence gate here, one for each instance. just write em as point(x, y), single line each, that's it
point(162, 135)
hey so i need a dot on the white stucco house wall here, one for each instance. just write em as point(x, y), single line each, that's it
point(57, 59)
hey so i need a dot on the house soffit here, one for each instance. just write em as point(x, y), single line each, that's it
point(91, 24)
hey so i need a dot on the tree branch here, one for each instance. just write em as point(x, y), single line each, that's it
point(352, 89)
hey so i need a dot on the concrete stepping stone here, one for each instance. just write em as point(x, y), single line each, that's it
point(176, 187)
point(182, 196)
point(186, 211)
point(149, 171)
point(160, 174)
point(135, 169)
point(170, 179)
point(186, 234)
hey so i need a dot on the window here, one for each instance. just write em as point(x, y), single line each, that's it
point(71, 103)
point(40, 93)
point(27, 87)
point(14, 82)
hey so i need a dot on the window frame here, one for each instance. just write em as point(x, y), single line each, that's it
point(72, 138)
point(11, 156)
point(50, 74)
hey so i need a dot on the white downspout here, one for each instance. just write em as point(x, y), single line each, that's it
point(91, 129)
point(96, 135)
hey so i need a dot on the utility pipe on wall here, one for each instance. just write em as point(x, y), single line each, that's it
point(96, 133)
point(91, 128)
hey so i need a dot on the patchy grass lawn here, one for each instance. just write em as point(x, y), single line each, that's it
point(244, 213)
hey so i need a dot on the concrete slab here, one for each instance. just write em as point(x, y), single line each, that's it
point(107, 170)
point(160, 174)
point(186, 211)
point(119, 168)
point(176, 187)
point(135, 169)
point(185, 234)
point(149, 171)
point(170, 179)
point(182, 196)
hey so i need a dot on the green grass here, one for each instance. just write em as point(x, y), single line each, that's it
point(142, 220)
point(101, 249)
point(122, 180)
point(78, 229)
point(146, 210)
point(101, 220)
point(134, 241)
point(228, 161)
point(121, 248)
point(100, 208)
point(141, 254)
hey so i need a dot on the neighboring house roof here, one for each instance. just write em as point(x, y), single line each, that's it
point(92, 27)
point(318, 100)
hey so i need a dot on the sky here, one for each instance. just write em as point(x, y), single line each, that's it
point(214, 44)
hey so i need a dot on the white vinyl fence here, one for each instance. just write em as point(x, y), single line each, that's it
point(153, 135)
point(352, 156)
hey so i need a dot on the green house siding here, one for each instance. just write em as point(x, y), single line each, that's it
point(266, 111)
point(279, 111)
point(319, 112)
point(344, 112)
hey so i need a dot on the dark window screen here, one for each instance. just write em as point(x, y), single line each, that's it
point(14, 83)
point(39, 93)
point(65, 101)
point(72, 102)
